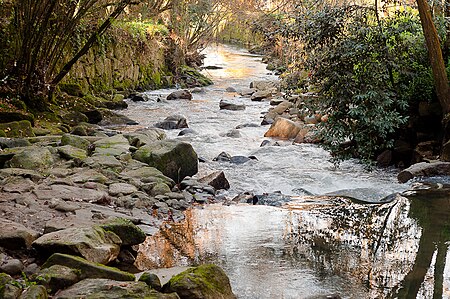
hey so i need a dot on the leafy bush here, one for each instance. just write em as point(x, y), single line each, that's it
point(368, 70)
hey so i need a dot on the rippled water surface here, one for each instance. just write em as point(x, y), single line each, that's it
point(317, 244)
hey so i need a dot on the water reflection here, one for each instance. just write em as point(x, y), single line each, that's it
point(319, 245)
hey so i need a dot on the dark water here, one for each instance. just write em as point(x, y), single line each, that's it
point(315, 245)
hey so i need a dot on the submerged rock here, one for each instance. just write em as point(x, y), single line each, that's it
point(202, 282)
point(180, 95)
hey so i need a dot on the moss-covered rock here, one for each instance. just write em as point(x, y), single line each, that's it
point(152, 280)
point(160, 189)
point(73, 140)
point(34, 292)
point(88, 269)
point(17, 129)
point(129, 233)
point(173, 158)
point(110, 289)
point(202, 282)
point(70, 152)
point(57, 277)
point(15, 116)
point(72, 89)
point(148, 174)
point(93, 243)
point(32, 157)
point(112, 146)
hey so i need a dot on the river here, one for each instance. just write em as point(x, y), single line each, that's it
point(317, 244)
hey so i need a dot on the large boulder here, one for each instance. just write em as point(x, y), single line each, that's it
point(110, 289)
point(180, 95)
point(202, 282)
point(92, 243)
point(15, 236)
point(283, 128)
point(34, 292)
point(173, 158)
point(8, 287)
point(87, 269)
point(424, 169)
point(32, 158)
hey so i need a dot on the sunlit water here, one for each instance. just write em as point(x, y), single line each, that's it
point(314, 246)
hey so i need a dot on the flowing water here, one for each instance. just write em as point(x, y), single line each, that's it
point(317, 244)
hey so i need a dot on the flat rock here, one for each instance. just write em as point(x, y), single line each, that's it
point(424, 169)
point(70, 193)
point(93, 243)
point(121, 188)
point(261, 95)
point(265, 84)
point(18, 185)
point(225, 105)
point(70, 152)
point(148, 174)
point(105, 288)
point(86, 268)
point(112, 146)
point(15, 236)
point(88, 175)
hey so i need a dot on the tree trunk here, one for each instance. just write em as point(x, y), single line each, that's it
point(435, 55)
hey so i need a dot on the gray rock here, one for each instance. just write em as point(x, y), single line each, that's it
point(148, 174)
point(62, 206)
point(102, 162)
point(152, 280)
point(187, 131)
point(233, 133)
point(217, 180)
point(225, 105)
point(230, 89)
point(88, 175)
point(13, 142)
point(70, 193)
point(223, 157)
point(93, 243)
point(180, 95)
point(159, 189)
point(173, 122)
point(261, 95)
point(12, 267)
point(173, 158)
point(18, 185)
point(247, 92)
point(15, 236)
point(145, 136)
point(121, 188)
point(248, 125)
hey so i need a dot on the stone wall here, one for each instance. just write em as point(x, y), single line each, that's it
point(122, 62)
